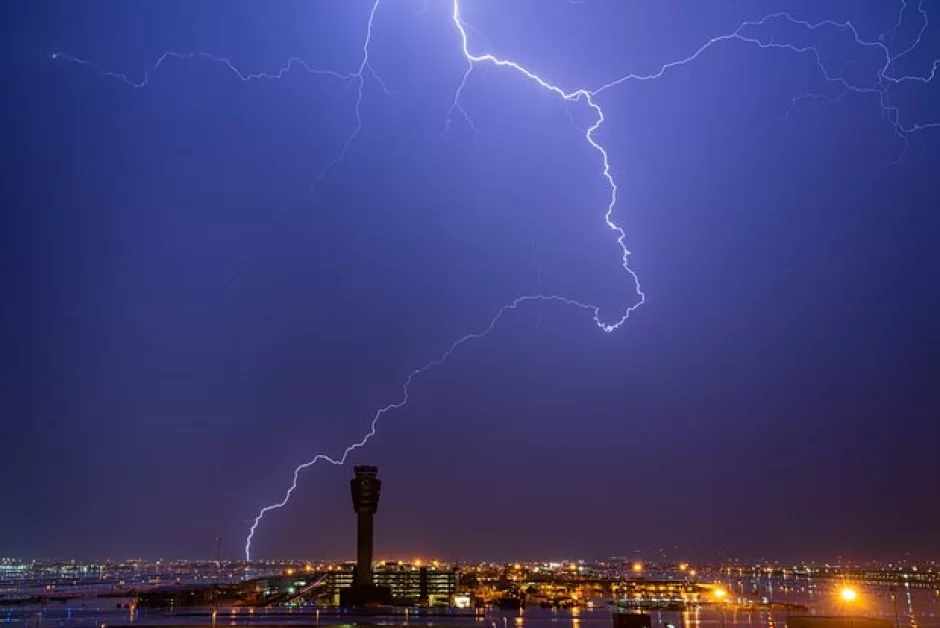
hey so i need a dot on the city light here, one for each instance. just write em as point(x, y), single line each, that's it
point(487, 584)
point(637, 567)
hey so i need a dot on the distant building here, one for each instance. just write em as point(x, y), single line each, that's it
point(659, 594)
point(409, 584)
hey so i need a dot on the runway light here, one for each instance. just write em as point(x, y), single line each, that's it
point(848, 594)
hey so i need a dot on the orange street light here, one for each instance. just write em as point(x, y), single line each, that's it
point(848, 594)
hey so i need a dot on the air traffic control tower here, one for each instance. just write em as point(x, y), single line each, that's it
point(365, 489)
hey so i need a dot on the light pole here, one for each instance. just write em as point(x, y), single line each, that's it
point(894, 599)
point(218, 571)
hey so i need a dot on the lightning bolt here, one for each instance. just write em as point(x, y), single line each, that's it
point(577, 95)
point(882, 81)
point(752, 33)
point(405, 398)
point(291, 64)
point(359, 76)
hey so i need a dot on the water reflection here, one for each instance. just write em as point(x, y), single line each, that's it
point(904, 607)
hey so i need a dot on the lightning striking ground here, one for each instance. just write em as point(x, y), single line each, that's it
point(406, 396)
point(748, 33)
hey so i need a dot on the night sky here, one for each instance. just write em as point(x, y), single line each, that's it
point(184, 319)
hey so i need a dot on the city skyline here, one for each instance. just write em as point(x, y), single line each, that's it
point(524, 593)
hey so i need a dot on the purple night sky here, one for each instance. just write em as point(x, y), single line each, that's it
point(185, 318)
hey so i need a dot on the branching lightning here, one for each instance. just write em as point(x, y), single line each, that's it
point(879, 87)
point(291, 64)
point(359, 76)
point(576, 95)
point(751, 33)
